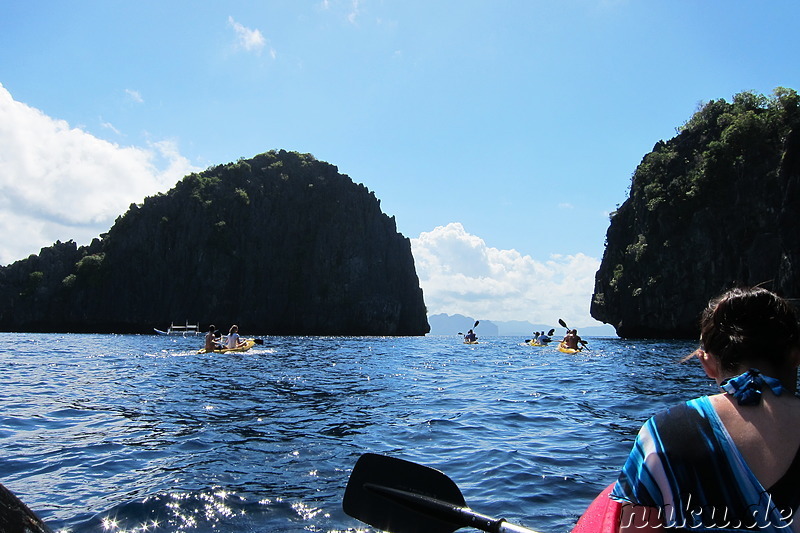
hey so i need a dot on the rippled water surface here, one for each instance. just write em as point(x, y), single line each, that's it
point(121, 433)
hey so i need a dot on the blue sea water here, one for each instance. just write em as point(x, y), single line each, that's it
point(124, 433)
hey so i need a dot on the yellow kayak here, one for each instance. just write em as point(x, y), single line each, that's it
point(470, 342)
point(248, 343)
point(563, 348)
point(531, 343)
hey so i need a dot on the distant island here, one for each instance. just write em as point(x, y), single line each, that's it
point(279, 244)
point(714, 207)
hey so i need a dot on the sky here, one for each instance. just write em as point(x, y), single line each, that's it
point(500, 134)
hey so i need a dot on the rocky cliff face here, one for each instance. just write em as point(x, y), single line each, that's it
point(279, 244)
point(714, 207)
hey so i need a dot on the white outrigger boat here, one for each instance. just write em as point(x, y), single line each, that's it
point(187, 329)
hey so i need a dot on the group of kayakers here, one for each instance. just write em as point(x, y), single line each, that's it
point(215, 341)
point(571, 340)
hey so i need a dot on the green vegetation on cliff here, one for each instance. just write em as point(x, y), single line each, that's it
point(713, 207)
point(280, 244)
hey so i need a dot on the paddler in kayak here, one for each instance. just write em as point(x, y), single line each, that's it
point(470, 336)
point(212, 339)
point(572, 340)
point(730, 461)
point(233, 338)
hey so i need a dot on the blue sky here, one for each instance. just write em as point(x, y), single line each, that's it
point(500, 134)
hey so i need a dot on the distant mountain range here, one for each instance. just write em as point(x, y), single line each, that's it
point(443, 324)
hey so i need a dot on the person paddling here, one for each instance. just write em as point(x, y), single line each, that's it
point(572, 340)
point(212, 339)
point(470, 336)
point(233, 338)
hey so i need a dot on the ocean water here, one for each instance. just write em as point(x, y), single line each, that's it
point(124, 433)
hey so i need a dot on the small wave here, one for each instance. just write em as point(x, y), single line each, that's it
point(208, 510)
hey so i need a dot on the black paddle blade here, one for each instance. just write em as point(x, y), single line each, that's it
point(259, 341)
point(369, 498)
point(563, 324)
point(476, 324)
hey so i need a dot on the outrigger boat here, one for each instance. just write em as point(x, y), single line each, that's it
point(187, 329)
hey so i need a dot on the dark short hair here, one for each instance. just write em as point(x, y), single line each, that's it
point(746, 325)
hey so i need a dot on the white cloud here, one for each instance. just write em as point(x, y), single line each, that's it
point(110, 126)
point(354, 12)
point(60, 183)
point(250, 40)
point(351, 10)
point(459, 273)
point(135, 96)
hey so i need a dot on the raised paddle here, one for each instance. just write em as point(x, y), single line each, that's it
point(399, 496)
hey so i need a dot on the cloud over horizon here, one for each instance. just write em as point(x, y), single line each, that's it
point(58, 182)
point(460, 274)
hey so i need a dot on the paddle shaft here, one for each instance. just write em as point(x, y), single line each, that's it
point(447, 512)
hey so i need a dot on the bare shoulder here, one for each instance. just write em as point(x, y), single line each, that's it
point(767, 435)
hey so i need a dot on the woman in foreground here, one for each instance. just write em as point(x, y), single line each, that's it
point(729, 461)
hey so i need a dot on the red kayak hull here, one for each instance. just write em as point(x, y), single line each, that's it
point(602, 515)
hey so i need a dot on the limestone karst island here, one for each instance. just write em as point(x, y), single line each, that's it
point(714, 207)
point(280, 244)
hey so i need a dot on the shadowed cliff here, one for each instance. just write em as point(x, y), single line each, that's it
point(279, 244)
point(714, 207)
